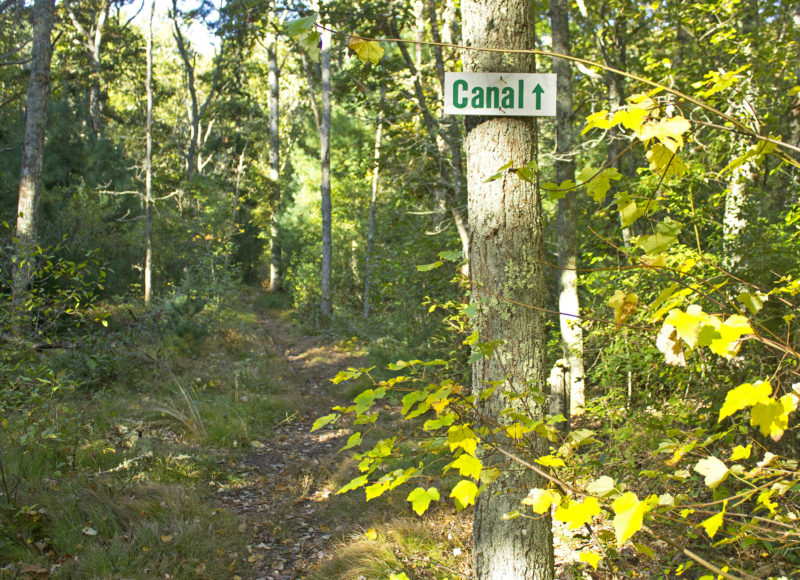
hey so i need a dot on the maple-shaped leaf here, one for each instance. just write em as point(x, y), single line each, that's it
point(366, 50)
point(540, 500)
point(730, 332)
point(301, 25)
point(556, 191)
point(630, 516)
point(740, 452)
point(550, 461)
point(590, 558)
point(714, 471)
point(671, 346)
point(464, 493)
point(629, 210)
point(665, 162)
point(467, 465)
point(631, 118)
point(687, 324)
point(666, 235)
point(601, 486)
point(599, 119)
point(598, 184)
point(744, 396)
point(668, 131)
point(623, 304)
point(464, 437)
point(772, 417)
point(578, 513)
point(421, 498)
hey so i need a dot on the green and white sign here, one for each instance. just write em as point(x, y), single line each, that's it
point(500, 94)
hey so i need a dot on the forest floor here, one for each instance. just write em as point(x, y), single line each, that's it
point(287, 502)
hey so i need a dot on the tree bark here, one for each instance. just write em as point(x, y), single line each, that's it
point(274, 166)
point(30, 185)
point(506, 246)
point(325, 305)
point(148, 161)
point(568, 301)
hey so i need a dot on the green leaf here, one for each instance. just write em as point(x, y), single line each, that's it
point(439, 422)
point(429, 267)
point(666, 235)
point(322, 421)
point(578, 513)
point(744, 396)
point(359, 481)
point(629, 211)
point(301, 25)
point(714, 471)
point(500, 172)
point(367, 50)
point(353, 441)
point(364, 400)
point(753, 302)
point(555, 191)
point(665, 162)
point(464, 493)
point(451, 256)
point(598, 184)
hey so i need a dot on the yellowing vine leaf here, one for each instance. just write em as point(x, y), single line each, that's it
point(744, 396)
point(590, 558)
point(540, 500)
point(687, 324)
point(464, 437)
point(712, 524)
point(421, 498)
point(598, 184)
point(772, 417)
point(668, 131)
point(550, 461)
point(630, 516)
point(671, 346)
point(577, 513)
point(740, 452)
point(322, 421)
point(623, 304)
point(665, 162)
point(730, 332)
point(366, 50)
point(714, 470)
point(467, 465)
point(599, 119)
point(631, 118)
point(464, 493)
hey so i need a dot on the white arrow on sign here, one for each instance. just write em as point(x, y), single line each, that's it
point(500, 94)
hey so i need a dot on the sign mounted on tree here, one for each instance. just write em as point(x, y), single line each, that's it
point(500, 94)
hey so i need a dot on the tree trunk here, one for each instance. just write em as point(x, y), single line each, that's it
point(325, 305)
point(93, 38)
point(376, 166)
point(568, 301)
point(30, 184)
point(148, 161)
point(274, 166)
point(506, 246)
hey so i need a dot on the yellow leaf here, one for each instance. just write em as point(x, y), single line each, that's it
point(517, 430)
point(590, 558)
point(576, 513)
point(468, 466)
point(464, 493)
point(366, 50)
point(631, 118)
point(730, 332)
point(740, 452)
point(668, 131)
point(665, 162)
point(713, 523)
point(371, 534)
point(671, 346)
point(744, 396)
point(714, 470)
point(687, 324)
point(550, 461)
point(772, 417)
point(166, 539)
point(623, 304)
point(540, 500)
point(464, 437)
point(598, 119)
point(630, 516)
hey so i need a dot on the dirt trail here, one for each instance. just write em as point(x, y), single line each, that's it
point(282, 497)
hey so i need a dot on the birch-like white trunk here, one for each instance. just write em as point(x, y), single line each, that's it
point(325, 305)
point(148, 161)
point(274, 166)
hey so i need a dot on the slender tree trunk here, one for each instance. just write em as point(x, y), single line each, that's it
point(506, 246)
point(274, 166)
point(325, 306)
point(235, 205)
point(30, 185)
point(148, 161)
point(568, 301)
point(93, 38)
point(376, 166)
